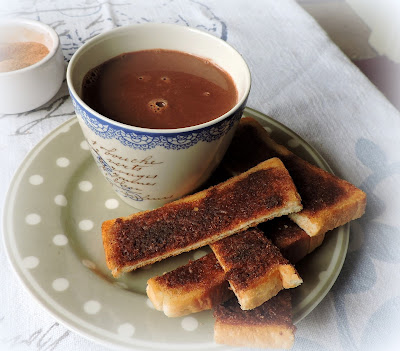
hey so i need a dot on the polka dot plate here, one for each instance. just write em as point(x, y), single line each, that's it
point(53, 214)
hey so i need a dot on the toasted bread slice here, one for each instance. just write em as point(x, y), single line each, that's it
point(292, 241)
point(263, 192)
point(254, 267)
point(197, 286)
point(267, 326)
point(328, 201)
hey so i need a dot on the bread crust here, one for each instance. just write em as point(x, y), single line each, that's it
point(267, 326)
point(328, 201)
point(254, 267)
point(263, 192)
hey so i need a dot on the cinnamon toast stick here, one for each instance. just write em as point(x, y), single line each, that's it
point(254, 267)
point(267, 326)
point(292, 241)
point(328, 201)
point(197, 286)
point(261, 193)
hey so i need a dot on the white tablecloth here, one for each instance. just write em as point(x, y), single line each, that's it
point(301, 79)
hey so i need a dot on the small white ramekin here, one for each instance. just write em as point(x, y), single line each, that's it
point(30, 87)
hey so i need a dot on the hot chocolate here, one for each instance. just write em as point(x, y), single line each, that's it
point(159, 89)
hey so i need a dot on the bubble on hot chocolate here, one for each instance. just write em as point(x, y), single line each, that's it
point(166, 79)
point(158, 105)
point(144, 77)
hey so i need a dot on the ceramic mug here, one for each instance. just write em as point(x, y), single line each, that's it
point(150, 167)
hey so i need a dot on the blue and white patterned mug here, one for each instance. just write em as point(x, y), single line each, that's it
point(150, 167)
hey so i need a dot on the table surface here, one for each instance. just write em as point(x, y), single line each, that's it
point(358, 39)
point(300, 78)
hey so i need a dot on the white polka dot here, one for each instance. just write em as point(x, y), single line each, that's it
point(60, 240)
point(150, 304)
point(84, 145)
point(36, 179)
point(60, 284)
point(60, 200)
point(30, 262)
point(293, 143)
point(92, 307)
point(199, 254)
point(88, 264)
point(62, 162)
point(126, 330)
point(111, 204)
point(85, 185)
point(189, 323)
point(33, 219)
point(86, 225)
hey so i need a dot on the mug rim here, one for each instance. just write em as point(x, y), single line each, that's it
point(99, 38)
point(46, 28)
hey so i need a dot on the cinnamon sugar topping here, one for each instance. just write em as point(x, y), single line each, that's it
point(15, 56)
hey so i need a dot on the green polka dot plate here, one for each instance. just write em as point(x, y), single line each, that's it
point(53, 214)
